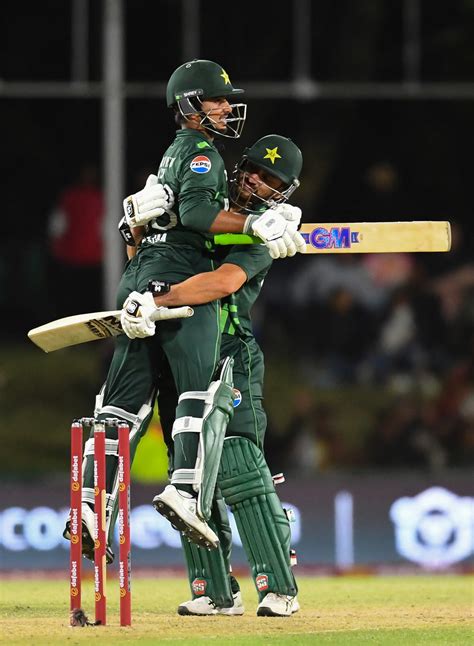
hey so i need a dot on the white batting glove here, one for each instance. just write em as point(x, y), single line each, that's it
point(279, 235)
point(149, 203)
point(136, 313)
point(289, 212)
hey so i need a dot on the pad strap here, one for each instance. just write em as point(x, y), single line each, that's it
point(111, 446)
point(186, 476)
point(187, 424)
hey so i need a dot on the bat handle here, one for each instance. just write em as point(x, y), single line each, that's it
point(236, 238)
point(172, 313)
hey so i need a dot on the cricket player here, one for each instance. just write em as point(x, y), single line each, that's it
point(266, 175)
point(179, 244)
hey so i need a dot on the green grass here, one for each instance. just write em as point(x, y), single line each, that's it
point(345, 610)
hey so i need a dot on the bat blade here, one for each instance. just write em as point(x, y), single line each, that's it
point(76, 329)
point(82, 328)
point(377, 237)
point(365, 237)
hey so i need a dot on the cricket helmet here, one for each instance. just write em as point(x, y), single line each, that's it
point(197, 80)
point(278, 156)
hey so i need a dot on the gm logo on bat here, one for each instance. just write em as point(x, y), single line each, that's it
point(333, 238)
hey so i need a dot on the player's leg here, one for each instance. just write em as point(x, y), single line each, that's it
point(198, 434)
point(248, 486)
point(128, 396)
point(192, 348)
point(213, 588)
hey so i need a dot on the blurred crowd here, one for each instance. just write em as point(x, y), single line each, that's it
point(397, 326)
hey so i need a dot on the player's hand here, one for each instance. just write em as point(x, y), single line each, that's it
point(289, 212)
point(149, 203)
point(136, 314)
point(278, 234)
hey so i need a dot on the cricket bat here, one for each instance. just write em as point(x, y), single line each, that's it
point(364, 237)
point(82, 328)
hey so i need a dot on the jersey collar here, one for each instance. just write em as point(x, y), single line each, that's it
point(199, 136)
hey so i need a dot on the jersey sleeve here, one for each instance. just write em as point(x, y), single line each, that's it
point(200, 199)
point(253, 259)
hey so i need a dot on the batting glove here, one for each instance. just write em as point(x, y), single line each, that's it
point(136, 314)
point(149, 203)
point(289, 212)
point(279, 235)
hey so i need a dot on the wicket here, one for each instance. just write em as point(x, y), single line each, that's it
point(100, 528)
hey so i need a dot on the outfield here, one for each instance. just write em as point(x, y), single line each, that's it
point(341, 610)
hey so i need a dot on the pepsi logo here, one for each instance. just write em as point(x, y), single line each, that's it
point(200, 164)
point(237, 397)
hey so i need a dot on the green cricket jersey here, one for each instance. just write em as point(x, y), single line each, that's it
point(235, 314)
point(194, 169)
point(238, 341)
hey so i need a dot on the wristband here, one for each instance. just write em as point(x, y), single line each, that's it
point(126, 232)
point(248, 223)
point(158, 287)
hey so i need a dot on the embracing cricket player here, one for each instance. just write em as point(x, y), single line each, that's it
point(266, 176)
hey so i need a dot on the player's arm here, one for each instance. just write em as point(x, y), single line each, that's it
point(200, 210)
point(240, 265)
point(228, 222)
point(139, 310)
point(205, 287)
point(278, 234)
point(132, 237)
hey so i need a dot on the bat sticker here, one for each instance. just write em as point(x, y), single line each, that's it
point(333, 238)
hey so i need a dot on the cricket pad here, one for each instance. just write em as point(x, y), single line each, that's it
point(209, 570)
point(247, 486)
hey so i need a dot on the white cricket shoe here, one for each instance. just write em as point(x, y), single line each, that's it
point(276, 605)
point(206, 606)
point(199, 606)
point(236, 610)
point(180, 510)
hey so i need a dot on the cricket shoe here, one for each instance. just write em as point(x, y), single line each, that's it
point(276, 605)
point(180, 510)
point(87, 535)
point(199, 607)
point(206, 606)
point(296, 606)
point(234, 611)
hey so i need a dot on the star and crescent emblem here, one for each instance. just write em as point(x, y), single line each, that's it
point(272, 154)
point(225, 76)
